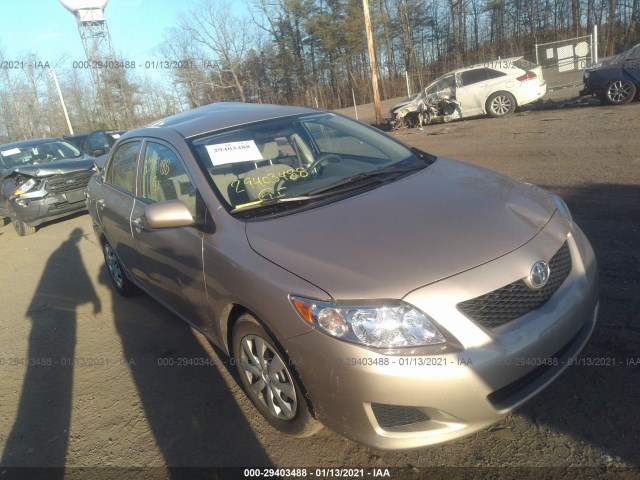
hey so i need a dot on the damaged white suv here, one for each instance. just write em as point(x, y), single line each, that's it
point(493, 88)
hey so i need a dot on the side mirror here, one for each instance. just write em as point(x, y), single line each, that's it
point(167, 214)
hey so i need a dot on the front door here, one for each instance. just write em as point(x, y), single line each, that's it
point(169, 260)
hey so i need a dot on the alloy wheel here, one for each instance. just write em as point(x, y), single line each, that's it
point(501, 105)
point(619, 91)
point(113, 264)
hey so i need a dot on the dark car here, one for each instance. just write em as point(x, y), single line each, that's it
point(41, 180)
point(94, 143)
point(615, 80)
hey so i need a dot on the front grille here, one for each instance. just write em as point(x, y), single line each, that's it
point(397, 415)
point(69, 181)
point(505, 304)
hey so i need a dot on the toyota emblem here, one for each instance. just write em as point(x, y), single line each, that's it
point(539, 275)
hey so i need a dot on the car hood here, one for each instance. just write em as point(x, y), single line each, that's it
point(402, 103)
point(52, 168)
point(384, 243)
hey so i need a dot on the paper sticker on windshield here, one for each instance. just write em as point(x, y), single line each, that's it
point(234, 152)
point(13, 151)
point(115, 135)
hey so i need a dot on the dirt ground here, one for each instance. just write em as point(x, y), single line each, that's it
point(82, 380)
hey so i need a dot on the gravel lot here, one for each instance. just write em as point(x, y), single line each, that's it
point(107, 401)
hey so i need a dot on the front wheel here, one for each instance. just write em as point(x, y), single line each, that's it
point(22, 229)
point(620, 92)
point(269, 381)
point(500, 104)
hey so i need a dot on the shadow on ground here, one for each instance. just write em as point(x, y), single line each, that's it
point(193, 416)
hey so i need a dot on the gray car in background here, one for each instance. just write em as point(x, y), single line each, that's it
point(42, 180)
point(398, 298)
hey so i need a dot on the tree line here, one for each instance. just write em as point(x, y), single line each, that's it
point(301, 52)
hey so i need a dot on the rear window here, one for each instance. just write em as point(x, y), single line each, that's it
point(495, 73)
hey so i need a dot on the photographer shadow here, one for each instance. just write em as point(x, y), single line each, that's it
point(40, 434)
point(194, 417)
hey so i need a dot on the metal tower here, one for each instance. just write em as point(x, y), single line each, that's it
point(93, 28)
point(98, 48)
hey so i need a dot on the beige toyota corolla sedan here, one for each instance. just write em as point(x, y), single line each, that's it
point(399, 298)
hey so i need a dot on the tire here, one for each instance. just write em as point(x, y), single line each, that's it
point(500, 104)
point(121, 282)
point(22, 229)
point(620, 92)
point(269, 381)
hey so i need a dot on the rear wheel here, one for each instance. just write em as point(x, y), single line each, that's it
point(22, 229)
point(123, 285)
point(500, 104)
point(620, 92)
point(269, 381)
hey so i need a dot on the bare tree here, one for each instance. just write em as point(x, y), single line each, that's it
point(227, 37)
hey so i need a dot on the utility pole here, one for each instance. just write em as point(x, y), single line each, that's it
point(64, 107)
point(372, 61)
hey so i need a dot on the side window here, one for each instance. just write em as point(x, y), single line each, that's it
point(164, 177)
point(495, 73)
point(474, 76)
point(443, 87)
point(97, 142)
point(121, 171)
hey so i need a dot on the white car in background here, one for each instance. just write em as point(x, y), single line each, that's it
point(493, 88)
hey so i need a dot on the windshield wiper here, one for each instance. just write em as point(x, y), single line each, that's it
point(271, 201)
point(373, 175)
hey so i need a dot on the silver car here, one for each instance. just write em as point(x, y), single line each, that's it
point(400, 299)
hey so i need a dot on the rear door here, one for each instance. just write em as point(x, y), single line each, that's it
point(473, 91)
point(114, 202)
point(168, 261)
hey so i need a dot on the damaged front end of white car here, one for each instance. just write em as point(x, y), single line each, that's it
point(423, 110)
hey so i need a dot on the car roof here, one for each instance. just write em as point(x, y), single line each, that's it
point(78, 135)
point(30, 143)
point(217, 116)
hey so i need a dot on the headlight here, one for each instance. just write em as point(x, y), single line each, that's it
point(390, 325)
point(562, 207)
point(25, 187)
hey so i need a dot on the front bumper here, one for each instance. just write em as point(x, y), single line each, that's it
point(34, 211)
point(414, 398)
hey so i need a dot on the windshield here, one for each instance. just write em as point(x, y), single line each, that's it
point(45, 152)
point(293, 157)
